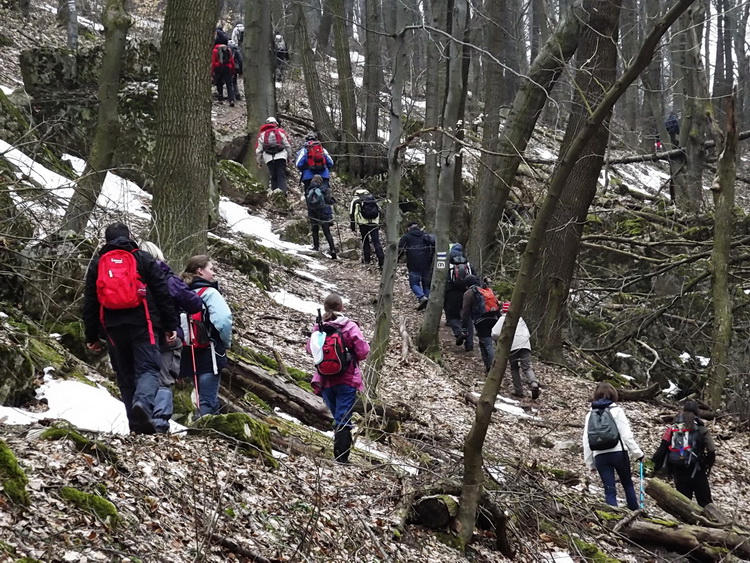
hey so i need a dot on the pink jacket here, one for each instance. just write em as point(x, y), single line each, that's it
point(359, 348)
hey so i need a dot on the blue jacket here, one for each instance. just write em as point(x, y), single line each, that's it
point(419, 249)
point(307, 174)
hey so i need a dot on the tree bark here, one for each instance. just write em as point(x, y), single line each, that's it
point(427, 341)
point(723, 194)
point(184, 143)
point(372, 84)
point(473, 478)
point(323, 36)
point(116, 24)
point(703, 544)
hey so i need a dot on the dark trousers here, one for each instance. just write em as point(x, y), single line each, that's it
point(137, 364)
point(277, 172)
point(452, 307)
point(609, 463)
point(236, 88)
point(371, 233)
point(486, 343)
point(691, 481)
point(223, 76)
point(315, 226)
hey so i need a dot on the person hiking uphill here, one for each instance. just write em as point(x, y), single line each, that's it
point(459, 269)
point(520, 354)
point(339, 392)
point(320, 213)
point(205, 363)
point(282, 56)
point(364, 213)
point(607, 439)
point(222, 70)
point(312, 159)
point(480, 306)
point(688, 451)
point(126, 299)
point(237, 54)
point(238, 34)
point(273, 149)
point(171, 352)
point(419, 249)
point(221, 37)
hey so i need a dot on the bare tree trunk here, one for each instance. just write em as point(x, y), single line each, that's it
point(473, 477)
point(184, 143)
point(323, 37)
point(259, 68)
point(653, 85)
point(428, 340)
point(539, 28)
point(385, 296)
point(743, 66)
point(372, 83)
point(724, 68)
point(116, 24)
point(723, 193)
point(627, 111)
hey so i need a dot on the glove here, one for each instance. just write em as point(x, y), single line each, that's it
point(353, 227)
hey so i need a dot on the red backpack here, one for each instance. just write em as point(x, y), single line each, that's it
point(118, 285)
point(198, 329)
point(336, 356)
point(316, 157)
point(485, 302)
point(271, 140)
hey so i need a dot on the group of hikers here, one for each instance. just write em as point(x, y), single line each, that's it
point(226, 61)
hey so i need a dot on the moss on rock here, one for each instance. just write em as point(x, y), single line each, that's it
point(92, 447)
point(256, 269)
point(253, 435)
point(12, 477)
point(236, 182)
point(100, 507)
point(592, 552)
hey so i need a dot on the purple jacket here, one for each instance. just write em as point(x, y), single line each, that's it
point(359, 348)
point(184, 299)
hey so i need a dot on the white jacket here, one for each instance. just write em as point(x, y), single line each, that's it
point(522, 337)
point(626, 437)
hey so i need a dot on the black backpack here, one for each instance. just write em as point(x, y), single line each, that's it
point(602, 430)
point(684, 446)
point(240, 37)
point(368, 207)
point(460, 269)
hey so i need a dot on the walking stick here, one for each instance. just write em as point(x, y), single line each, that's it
point(195, 376)
point(643, 497)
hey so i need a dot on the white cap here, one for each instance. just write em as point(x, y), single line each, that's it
point(272, 120)
point(278, 36)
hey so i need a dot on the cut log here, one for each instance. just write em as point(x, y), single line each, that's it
point(704, 544)
point(677, 504)
point(638, 394)
point(435, 511)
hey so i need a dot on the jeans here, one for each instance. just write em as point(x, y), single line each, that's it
point(223, 76)
point(606, 465)
point(277, 172)
point(371, 233)
point(420, 283)
point(163, 409)
point(208, 390)
point(340, 401)
point(521, 358)
point(315, 226)
point(487, 348)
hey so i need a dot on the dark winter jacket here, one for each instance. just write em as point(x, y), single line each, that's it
point(456, 257)
point(221, 38)
point(160, 304)
point(237, 54)
point(321, 213)
point(419, 249)
point(705, 445)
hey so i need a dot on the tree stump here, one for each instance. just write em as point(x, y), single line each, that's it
point(435, 511)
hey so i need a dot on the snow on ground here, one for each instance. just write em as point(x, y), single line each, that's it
point(124, 196)
point(509, 406)
point(239, 220)
point(291, 301)
point(312, 277)
point(6, 90)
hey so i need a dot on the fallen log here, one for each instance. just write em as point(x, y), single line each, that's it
point(672, 501)
point(435, 511)
point(645, 394)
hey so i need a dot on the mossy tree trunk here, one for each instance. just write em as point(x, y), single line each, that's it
point(723, 194)
point(428, 340)
point(473, 477)
point(116, 24)
point(379, 346)
point(184, 157)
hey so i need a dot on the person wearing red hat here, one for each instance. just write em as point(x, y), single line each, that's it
point(520, 354)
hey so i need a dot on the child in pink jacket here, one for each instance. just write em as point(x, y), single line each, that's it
point(340, 392)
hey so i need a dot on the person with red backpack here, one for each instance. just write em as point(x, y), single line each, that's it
point(338, 347)
point(481, 307)
point(313, 159)
point(126, 301)
point(273, 149)
point(222, 71)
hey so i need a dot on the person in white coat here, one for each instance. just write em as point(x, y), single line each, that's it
point(614, 459)
point(520, 355)
point(274, 150)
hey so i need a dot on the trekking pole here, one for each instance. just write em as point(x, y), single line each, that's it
point(643, 498)
point(195, 382)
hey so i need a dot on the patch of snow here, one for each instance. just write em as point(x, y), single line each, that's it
point(78, 164)
point(685, 357)
point(704, 361)
point(556, 557)
point(6, 90)
point(291, 301)
point(316, 279)
point(125, 196)
point(412, 155)
point(357, 58)
point(628, 377)
point(503, 404)
point(544, 153)
point(672, 390)
point(623, 355)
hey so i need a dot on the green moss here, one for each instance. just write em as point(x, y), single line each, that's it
point(449, 539)
point(257, 401)
point(633, 226)
point(503, 289)
point(272, 254)
point(100, 507)
point(182, 402)
point(12, 477)
point(593, 553)
point(608, 515)
point(297, 231)
point(93, 448)
point(667, 523)
point(27, 560)
point(237, 182)
point(71, 337)
point(7, 549)
point(301, 378)
point(252, 434)
point(256, 269)
point(591, 324)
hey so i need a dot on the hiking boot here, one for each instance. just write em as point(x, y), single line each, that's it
point(535, 391)
point(460, 339)
point(231, 104)
point(342, 444)
point(315, 249)
point(141, 420)
point(422, 304)
point(333, 256)
point(517, 394)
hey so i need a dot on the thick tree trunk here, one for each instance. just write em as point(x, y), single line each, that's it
point(379, 345)
point(184, 157)
point(723, 194)
point(473, 478)
point(513, 54)
point(597, 60)
point(372, 84)
point(428, 341)
point(743, 66)
point(323, 36)
point(116, 24)
point(627, 112)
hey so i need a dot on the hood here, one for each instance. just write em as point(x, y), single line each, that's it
point(165, 267)
point(197, 283)
point(339, 321)
point(240, 26)
point(601, 403)
point(415, 234)
point(267, 126)
point(457, 250)
point(120, 243)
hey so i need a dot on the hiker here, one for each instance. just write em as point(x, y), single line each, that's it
point(221, 38)
point(419, 248)
point(222, 70)
point(364, 213)
point(688, 452)
point(520, 354)
point(237, 54)
point(282, 56)
point(480, 307)
point(672, 125)
point(204, 363)
point(313, 159)
point(459, 269)
point(273, 148)
point(320, 212)
point(339, 391)
point(607, 439)
point(238, 34)
point(126, 300)
point(171, 352)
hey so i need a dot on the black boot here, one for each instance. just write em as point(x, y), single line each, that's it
point(342, 444)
